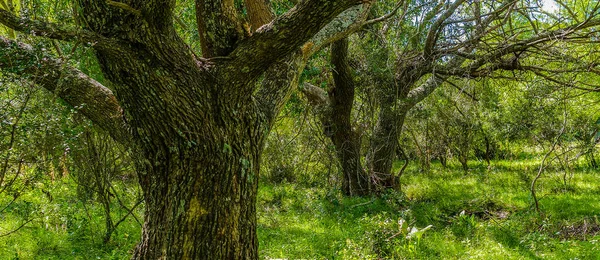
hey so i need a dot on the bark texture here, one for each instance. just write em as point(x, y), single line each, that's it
point(259, 12)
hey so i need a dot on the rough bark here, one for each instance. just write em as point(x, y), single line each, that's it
point(393, 108)
point(219, 27)
point(210, 213)
point(266, 46)
point(334, 110)
point(259, 13)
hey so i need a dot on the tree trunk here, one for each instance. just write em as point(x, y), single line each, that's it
point(383, 147)
point(395, 102)
point(212, 216)
point(197, 162)
point(347, 143)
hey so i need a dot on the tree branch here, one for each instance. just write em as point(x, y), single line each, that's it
point(92, 99)
point(433, 33)
point(280, 81)
point(536, 40)
point(418, 94)
point(282, 77)
point(280, 38)
point(342, 26)
point(316, 96)
point(259, 13)
point(219, 27)
point(345, 24)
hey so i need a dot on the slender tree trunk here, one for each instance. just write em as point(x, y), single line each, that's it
point(346, 141)
point(335, 112)
point(395, 102)
point(383, 147)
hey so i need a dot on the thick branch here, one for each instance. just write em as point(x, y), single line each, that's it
point(418, 94)
point(259, 13)
point(342, 26)
point(280, 81)
point(282, 77)
point(281, 37)
point(219, 27)
point(159, 13)
point(316, 96)
point(94, 101)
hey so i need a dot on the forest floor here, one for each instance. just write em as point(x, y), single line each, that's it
point(486, 213)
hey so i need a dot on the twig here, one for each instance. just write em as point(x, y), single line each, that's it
point(362, 204)
point(17, 229)
point(126, 215)
point(394, 235)
point(388, 15)
point(543, 167)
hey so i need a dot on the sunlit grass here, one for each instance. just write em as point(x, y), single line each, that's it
point(485, 213)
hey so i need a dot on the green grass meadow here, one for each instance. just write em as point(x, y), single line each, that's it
point(445, 213)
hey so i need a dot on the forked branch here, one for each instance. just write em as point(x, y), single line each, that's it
point(281, 37)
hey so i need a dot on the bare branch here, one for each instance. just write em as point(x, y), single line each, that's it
point(17, 229)
point(432, 35)
point(401, 3)
point(495, 57)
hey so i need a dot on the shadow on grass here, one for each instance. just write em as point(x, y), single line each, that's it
point(510, 240)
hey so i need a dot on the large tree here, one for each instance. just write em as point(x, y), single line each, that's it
point(196, 124)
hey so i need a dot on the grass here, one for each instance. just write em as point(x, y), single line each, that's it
point(483, 214)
